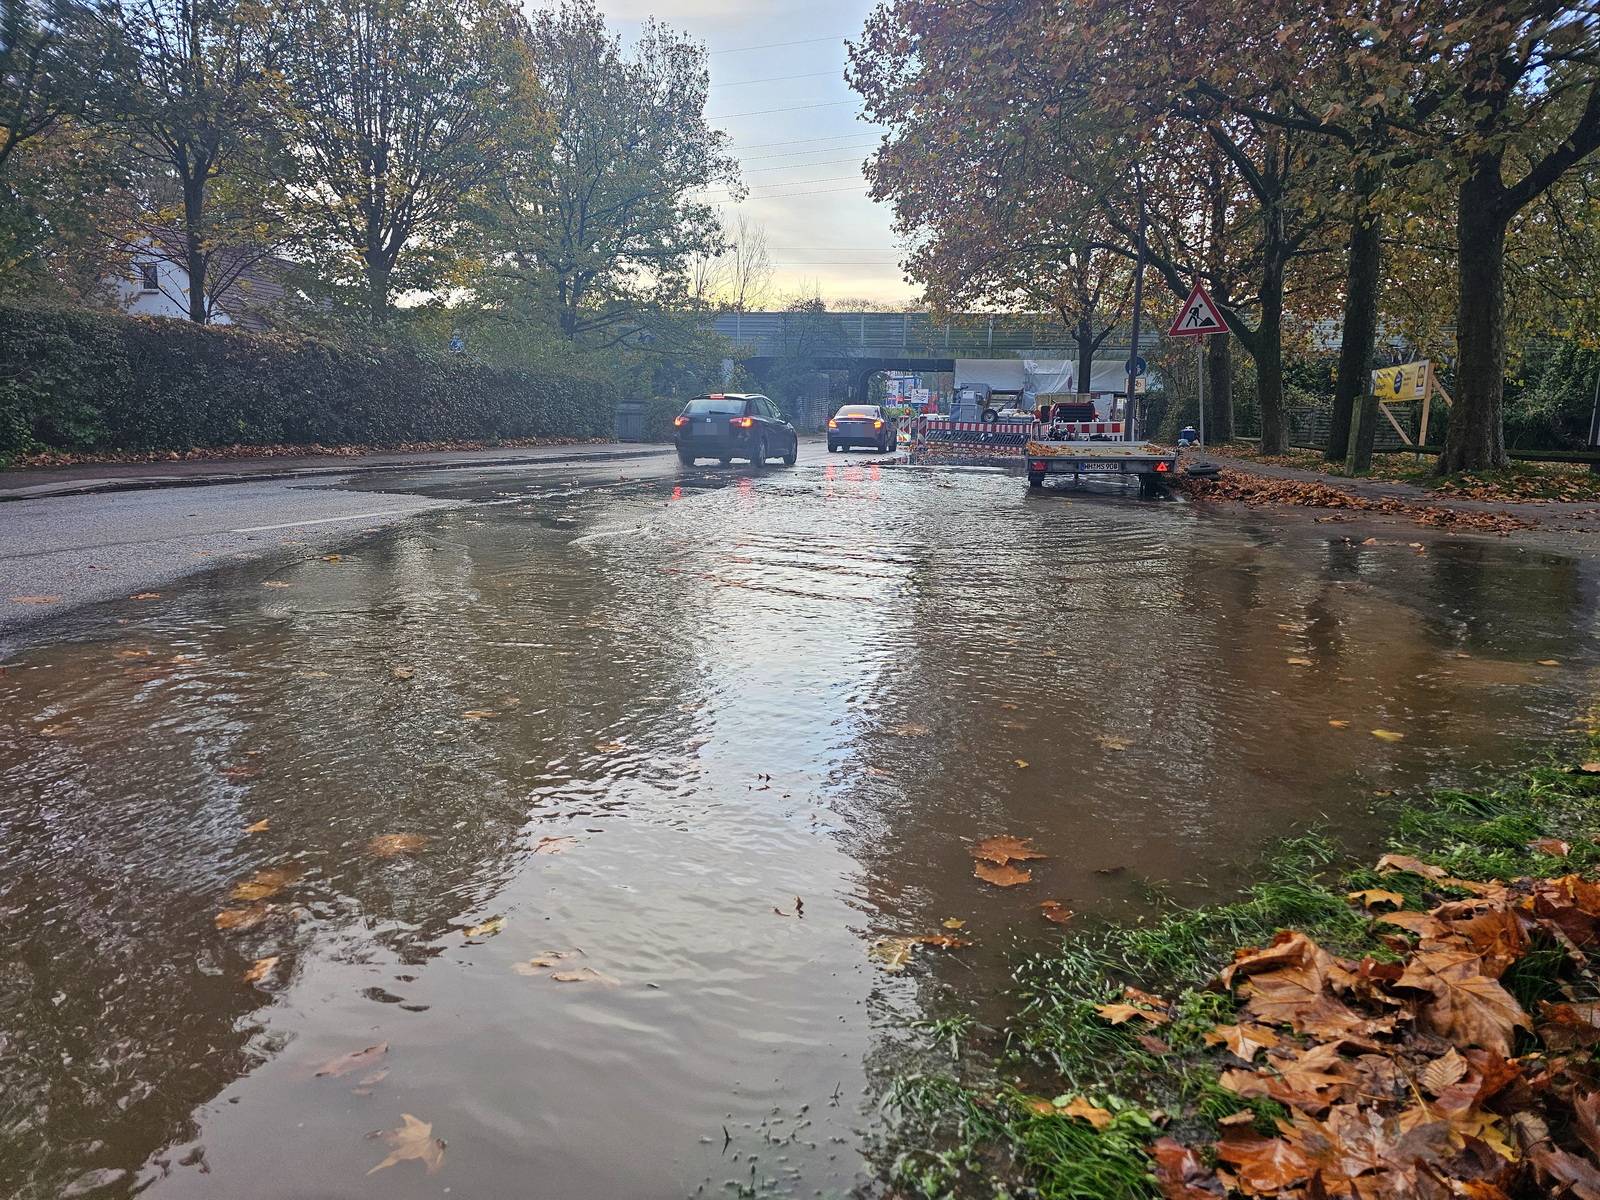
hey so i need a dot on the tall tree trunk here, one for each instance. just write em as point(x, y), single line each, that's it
point(1085, 339)
point(1477, 438)
point(194, 247)
point(1268, 354)
point(1219, 388)
point(1360, 324)
point(377, 287)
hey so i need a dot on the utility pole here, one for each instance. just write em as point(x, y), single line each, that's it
point(1138, 300)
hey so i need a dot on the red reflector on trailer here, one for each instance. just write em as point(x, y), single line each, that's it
point(1162, 467)
point(1038, 466)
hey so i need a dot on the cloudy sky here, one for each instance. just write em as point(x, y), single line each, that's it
point(802, 164)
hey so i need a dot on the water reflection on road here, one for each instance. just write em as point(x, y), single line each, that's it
point(637, 724)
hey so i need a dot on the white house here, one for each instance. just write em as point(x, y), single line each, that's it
point(244, 285)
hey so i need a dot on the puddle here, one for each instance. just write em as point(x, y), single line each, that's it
point(632, 727)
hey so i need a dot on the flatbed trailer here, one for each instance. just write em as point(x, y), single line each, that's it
point(1149, 463)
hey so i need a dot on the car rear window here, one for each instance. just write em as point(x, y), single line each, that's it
point(857, 410)
point(706, 405)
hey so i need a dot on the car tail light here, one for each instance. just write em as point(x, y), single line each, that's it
point(680, 422)
point(832, 424)
point(743, 422)
point(877, 424)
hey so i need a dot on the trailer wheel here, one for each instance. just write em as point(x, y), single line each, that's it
point(991, 414)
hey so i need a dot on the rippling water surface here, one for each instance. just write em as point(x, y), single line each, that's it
point(636, 725)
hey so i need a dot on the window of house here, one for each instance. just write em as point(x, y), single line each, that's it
point(149, 280)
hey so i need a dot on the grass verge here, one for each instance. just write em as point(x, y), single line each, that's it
point(990, 1128)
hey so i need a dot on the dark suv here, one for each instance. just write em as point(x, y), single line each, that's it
point(733, 425)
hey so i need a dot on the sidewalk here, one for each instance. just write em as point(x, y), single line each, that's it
point(35, 483)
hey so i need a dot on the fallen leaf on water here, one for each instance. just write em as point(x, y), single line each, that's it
point(609, 747)
point(585, 975)
point(34, 599)
point(478, 714)
point(1001, 876)
point(1054, 910)
point(260, 826)
point(403, 672)
point(893, 952)
point(146, 596)
point(486, 930)
point(943, 941)
point(135, 652)
point(261, 969)
point(953, 923)
point(240, 772)
point(412, 1139)
point(1551, 846)
point(333, 558)
point(1388, 735)
point(389, 845)
point(555, 845)
point(544, 961)
point(1111, 742)
point(243, 918)
point(51, 731)
point(265, 883)
point(366, 1083)
point(276, 583)
point(1549, 662)
point(1021, 763)
point(1339, 724)
point(908, 730)
point(1004, 848)
point(355, 1060)
point(1299, 662)
point(1369, 897)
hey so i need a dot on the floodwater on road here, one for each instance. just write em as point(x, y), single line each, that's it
point(564, 821)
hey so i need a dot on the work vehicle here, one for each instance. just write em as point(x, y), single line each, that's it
point(730, 425)
point(1086, 448)
point(863, 425)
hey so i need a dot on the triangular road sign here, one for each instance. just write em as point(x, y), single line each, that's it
point(1198, 316)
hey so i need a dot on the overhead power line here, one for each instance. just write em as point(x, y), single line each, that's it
point(762, 112)
point(776, 79)
point(833, 137)
point(787, 195)
point(805, 153)
point(804, 166)
point(779, 45)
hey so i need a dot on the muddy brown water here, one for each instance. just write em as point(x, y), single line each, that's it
point(721, 694)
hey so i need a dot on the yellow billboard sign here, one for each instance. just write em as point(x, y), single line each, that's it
point(1409, 381)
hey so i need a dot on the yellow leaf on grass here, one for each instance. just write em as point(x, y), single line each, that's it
point(1370, 897)
point(1118, 1014)
point(1590, 768)
point(1388, 735)
point(411, 1139)
point(1077, 1106)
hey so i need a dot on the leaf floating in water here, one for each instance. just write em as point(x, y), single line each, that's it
point(146, 596)
point(276, 583)
point(1388, 735)
point(403, 672)
point(585, 975)
point(953, 923)
point(265, 883)
point(544, 962)
point(262, 968)
point(1054, 910)
point(893, 952)
point(1549, 662)
point(479, 714)
point(333, 558)
point(34, 599)
point(909, 730)
point(260, 826)
point(240, 772)
point(1299, 662)
point(1001, 876)
point(240, 919)
point(1338, 724)
point(390, 845)
point(413, 1139)
point(609, 747)
point(1022, 763)
point(1113, 743)
point(486, 930)
point(1005, 848)
point(555, 845)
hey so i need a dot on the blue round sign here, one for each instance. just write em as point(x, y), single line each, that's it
point(1136, 366)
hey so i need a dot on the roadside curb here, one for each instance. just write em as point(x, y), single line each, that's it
point(342, 470)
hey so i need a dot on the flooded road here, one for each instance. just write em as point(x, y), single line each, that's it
point(564, 821)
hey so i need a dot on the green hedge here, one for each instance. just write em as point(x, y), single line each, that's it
point(87, 381)
point(658, 414)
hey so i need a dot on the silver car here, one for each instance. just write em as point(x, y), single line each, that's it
point(862, 425)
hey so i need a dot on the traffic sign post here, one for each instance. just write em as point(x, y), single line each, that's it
point(1199, 318)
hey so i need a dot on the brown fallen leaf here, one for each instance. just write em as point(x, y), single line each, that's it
point(909, 730)
point(1054, 910)
point(1549, 662)
point(1022, 763)
point(555, 845)
point(411, 1139)
point(1180, 1173)
point(353, 1061)
point(260, 826)
point(1004, 848)
point(1001, 876)
point(1465, 1006)
point(262, 968)
point(243, 918)
point(953, 923)
point(1080, 1108)
point(1113, 743)
point(1337, 724)
point(240, 772)
point(1554, 847)
point(34, 599)
point(585, 975)
point(545, 961)
point(265, 883)
point(403, 672)
point(333, 558)
point(1414, 866)
point(1119, 1014)
point(486, 930)
point(1388, 735)
point(1244, 1040)
point(146, 596)
point(893, 952)
point(609, 747)
point(1372, 897)
point(1590, 768)
point(390, 845)
point(1299, 662)
point(943, 941)
point(479, 714)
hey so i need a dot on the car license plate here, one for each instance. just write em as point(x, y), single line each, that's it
point(704, 429)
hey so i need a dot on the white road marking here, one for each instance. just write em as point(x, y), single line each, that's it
point(388, 512)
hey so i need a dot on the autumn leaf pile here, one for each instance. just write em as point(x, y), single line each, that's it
point(1524, 486)
point(1420, 1076)
point(1263, 491)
